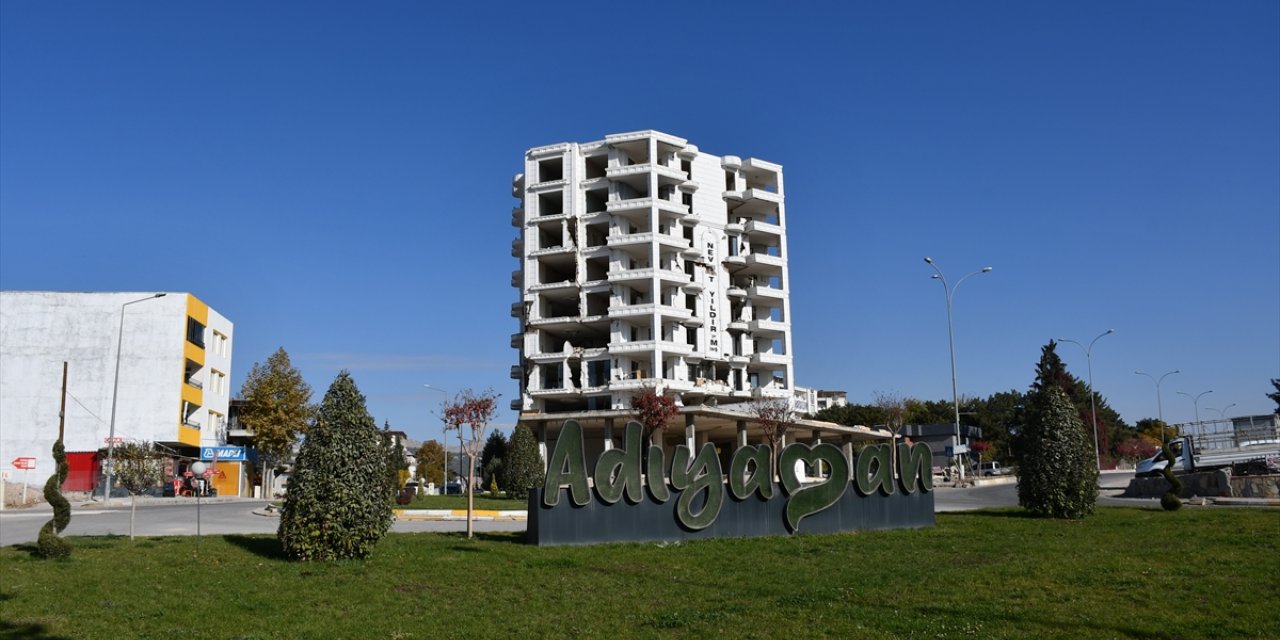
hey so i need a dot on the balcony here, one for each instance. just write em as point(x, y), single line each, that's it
point(694, 287)
point(770, 359)
point(517, 309)
point(563, 286)
point(761, 228)
point(767, 327)
point(195, 382)
point(517, 248)
point(670, 312)
point(692, 321)
point(753, 202)
point(631, 310)
point(517, 278)
point(517, 340)
point(629, 239)
point(766, 292)
point(673, 276)
point(675, 348)
point(628, 275)
point(637, 346)
point(517, 216)
point(517, 372)
point(736, 325)
point(763, 263)
point(735, 292)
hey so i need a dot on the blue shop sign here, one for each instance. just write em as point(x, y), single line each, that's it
point(225, 453)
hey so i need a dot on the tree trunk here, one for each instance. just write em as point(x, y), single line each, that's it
point(471, 492)
point(133, 510)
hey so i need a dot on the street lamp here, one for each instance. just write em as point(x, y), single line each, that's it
point(444, 439)
point(115, 393)
point(1093, 407)
point(1196, 401)
point(951, 339)
point(1159, 404)
point(1222, 413)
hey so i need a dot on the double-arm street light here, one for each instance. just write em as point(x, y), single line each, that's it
point(1196, 401)
point(1093, 407)
point(951, 339)
point(1159, 404)
point(115, 394)
point(1222, 413)
point(444, 440)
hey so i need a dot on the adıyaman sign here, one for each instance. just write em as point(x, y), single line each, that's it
point(633, 500)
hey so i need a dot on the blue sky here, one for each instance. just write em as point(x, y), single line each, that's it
point(335, 177)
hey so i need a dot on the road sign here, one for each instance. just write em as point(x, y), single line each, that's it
point(24, 463)
point(109, 440)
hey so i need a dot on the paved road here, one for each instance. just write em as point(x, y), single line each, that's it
point(168, 518)
point(18, 526)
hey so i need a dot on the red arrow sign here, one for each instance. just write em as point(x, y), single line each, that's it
point(24, 463)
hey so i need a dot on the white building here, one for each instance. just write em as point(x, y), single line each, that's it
point(174, 359)
point(645, 262)
point(648, 264)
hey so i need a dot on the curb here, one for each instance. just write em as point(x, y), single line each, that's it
point(479, 515)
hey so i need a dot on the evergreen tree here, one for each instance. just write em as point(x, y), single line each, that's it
point(397, 465)
point(492, 457)
point(1056, 473)
point(1275, 395)
point(337, 505)
point(49, 545)
point(523, 469)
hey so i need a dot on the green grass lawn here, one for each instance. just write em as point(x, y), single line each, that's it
point(460, 502)
point(1123, 573)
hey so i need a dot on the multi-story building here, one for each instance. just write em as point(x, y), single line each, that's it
point(165, 359)
point(646, 263)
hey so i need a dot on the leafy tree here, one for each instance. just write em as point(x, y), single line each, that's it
point(1056, 473)
point(277, 410)
point(337, 506)
point(1156, 430)
point(430, 457)
point(492, 457)
point(775, 417)
point(1136, 448)
point(1275, 395)
point(524, 469)
point(48, 544)
point(397, 465)
point(653, 410)
point(138, 467)
point(474, 411)
point(852, 415)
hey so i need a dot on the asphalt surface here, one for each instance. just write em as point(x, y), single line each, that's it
point(219, 516)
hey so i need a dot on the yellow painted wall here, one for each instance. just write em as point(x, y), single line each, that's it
point(187, 435)
point(227, 479)
point(198, 310)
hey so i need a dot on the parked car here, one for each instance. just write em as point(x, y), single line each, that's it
point(994, 469)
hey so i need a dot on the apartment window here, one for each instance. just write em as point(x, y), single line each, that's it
point(219, 343)
point(195, 332)
point(218, 380)
point(550, 170)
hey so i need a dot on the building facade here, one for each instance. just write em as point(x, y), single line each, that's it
point(164, 358)
point(645, 263)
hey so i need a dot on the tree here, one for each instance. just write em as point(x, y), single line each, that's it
point(397, 466)
point(1275, 395)
point(138, 467)
point(1057, 477)
point(893, 407)
point(851, 415)
point(474, 411)
point(277, 410)
point(430, 457)
point(654, 411)
point(1136, 448)
point(48, 544)
point(493, 457)
point(775, 417)
point(337, 507)
point(523, 470)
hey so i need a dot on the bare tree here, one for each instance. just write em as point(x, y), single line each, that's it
point(893, 407)
point(775, 417)
point(138, 468)
point(474, 411)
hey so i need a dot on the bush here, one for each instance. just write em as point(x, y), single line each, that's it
point(337, 504)
point(1056, 474)
point(48, 544)
point(523, 469)
point(1170, 500)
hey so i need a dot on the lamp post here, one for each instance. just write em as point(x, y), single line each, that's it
point(1222, 413)
point(115, 394)
point(444, 440)
point(1195, 400)
point(951, 339)
point(1093, 407)
point(1159, 404)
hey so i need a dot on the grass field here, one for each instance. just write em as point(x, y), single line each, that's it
point(1124, 573)
point(460, 502)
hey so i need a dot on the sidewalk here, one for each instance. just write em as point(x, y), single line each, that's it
point(438, 515)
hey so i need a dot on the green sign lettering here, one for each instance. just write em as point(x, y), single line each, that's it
point(618, 470)
point(809, 499)
point(568, 466)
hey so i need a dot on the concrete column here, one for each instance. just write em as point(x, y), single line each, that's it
point(846, 445)
point(541, 432)
point(690, 432)
point(608, 434)
point(742, 433)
